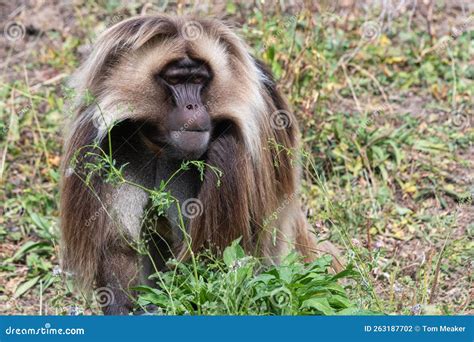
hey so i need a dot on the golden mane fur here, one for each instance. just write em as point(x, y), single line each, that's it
point(260, 175)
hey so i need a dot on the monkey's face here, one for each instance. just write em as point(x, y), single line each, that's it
point(184, 129)
point(171, 97)
point(179, 94)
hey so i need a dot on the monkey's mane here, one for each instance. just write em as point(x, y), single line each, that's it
point(259, 170)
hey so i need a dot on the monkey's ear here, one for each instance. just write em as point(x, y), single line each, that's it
point(269, 83)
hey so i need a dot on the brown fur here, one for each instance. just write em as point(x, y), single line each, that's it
point(258, 179)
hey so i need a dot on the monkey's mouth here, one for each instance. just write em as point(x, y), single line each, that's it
point(190, 144)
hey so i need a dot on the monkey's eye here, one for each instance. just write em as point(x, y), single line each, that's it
point(197, 79)
point(173, 80)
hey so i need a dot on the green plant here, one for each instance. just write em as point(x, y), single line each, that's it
point(238, 284)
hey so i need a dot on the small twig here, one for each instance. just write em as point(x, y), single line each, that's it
point(349, 82)
point(41, 298)
point(426, 274)
point(429, 18)
point(436, 275)
point(50, 81)
point(369, 239)
point(453, 70)
point(35, 116)
point(415, 4)
point(377, 83)
point(347, 57)
point(298, 58)
point(4, 153)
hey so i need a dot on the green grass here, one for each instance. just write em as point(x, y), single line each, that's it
point(232, 283)
point(387, 156)
point(237, 284)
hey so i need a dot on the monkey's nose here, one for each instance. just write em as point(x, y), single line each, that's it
point(192, 106)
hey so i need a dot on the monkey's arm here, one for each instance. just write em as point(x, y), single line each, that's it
point(101, 222)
